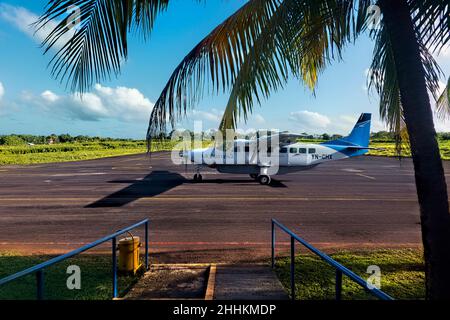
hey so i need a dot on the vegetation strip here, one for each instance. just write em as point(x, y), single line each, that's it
point(402, 274)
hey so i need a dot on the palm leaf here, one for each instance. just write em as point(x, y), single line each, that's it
point(227, 50)
point(383, 77)
point(432, 21)
point(99, 43)
point(217, 58)
point(301, 38)
point(443, 103)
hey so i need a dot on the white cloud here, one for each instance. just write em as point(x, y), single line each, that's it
point(213, 115)
point(49, 96)
point(121, 103)
point(258, 119)
point(445, 52)
point(309, 121)
point(2, 91)
point(23, 19)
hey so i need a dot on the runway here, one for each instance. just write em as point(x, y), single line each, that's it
point(354, 203)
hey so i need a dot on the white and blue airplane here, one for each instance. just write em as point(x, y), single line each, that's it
point(279, 153)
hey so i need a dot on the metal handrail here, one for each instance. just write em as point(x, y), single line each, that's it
point(340, 269)
point(39, 268)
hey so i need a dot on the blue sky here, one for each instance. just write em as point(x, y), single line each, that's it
point(32, 102)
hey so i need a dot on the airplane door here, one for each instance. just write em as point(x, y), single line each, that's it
point(284, 156)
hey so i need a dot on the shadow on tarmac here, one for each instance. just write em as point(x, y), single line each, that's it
point(156, 183)
point(152, 185)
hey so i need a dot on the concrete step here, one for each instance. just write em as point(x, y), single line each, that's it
point(247, 282)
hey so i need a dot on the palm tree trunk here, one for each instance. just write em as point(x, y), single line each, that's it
point(429, 173)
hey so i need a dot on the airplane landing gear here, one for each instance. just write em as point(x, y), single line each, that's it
point(198, 177)
point(264, 179)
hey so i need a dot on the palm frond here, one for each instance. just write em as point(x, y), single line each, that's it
point(383, 77)
point(443, 103)
point(99, 42)
point(300, 39)
point(217, 57)
point(432, 21)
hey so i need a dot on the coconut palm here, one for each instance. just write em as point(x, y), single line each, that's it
point(256, 50)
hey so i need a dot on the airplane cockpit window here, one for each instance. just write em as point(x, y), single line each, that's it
point(283, 150)
point(293, 150)
point(302, 150)
point(312, 150)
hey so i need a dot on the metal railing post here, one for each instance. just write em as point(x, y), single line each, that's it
point(39, 269)
point(273, 245)
point(114, 268)
point(292, 268)
point(40, 284)
point(340, 269)
point(338, 285)
point(146, 245)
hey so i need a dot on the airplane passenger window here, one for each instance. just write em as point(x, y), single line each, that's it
point(283, 150)
point(293, 150)
point(312, 150)
point(302, 150)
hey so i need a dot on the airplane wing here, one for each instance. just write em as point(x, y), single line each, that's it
point(285, 137)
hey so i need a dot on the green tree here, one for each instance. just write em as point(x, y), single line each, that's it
point(63, 138)
point(11, 140)
point(256, 50)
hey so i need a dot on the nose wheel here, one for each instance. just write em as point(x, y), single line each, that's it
point(264, 179)
point(198, 177)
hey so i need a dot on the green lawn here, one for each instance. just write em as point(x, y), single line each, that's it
point(96, 278)
point(62, 152)
point(402, 274)
point(389, 151)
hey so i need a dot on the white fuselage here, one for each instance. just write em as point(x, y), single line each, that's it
point(245, 159)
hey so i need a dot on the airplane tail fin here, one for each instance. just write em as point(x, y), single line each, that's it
point(360, 134)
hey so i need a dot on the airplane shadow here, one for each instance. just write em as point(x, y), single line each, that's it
point(151, 185)
point(156, 183)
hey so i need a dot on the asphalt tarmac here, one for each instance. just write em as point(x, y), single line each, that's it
point(365, 202)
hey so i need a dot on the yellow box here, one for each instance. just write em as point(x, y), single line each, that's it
point(129, 254)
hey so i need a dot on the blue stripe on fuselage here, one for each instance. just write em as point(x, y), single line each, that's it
point(346, 148)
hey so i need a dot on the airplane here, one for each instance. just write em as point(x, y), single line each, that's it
point(282, 154)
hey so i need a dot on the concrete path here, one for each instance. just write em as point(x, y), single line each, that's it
point(247, 282)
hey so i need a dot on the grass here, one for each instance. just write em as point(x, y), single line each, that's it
point(63, 152)
point(19, 155)
point(96, 279)
point(402, 274)
point(389, 149)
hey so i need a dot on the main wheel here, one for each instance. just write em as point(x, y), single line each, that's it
point(253, 175)
point(263, 179)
